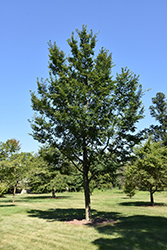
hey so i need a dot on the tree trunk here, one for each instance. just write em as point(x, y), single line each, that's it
point(14, 192)
point(151, 197)
point(53, 193)
point(87, 198)
point(86, 182)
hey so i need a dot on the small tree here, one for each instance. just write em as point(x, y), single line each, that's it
point(14, 170)
point(49, 171)
point(13, 165)
point(41, 176)
point(82, 111)
point(149, 170)
point(7, 150)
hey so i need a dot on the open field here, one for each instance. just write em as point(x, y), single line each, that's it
point(37, 222)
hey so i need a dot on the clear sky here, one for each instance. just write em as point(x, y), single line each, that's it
point(135, 31)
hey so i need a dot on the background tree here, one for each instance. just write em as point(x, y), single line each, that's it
point(109, 173)
point(159, 111)
point(51, 172)
point(13, 171)
point(44, 175)
point(8, 148)
point(13, 165)
point(149, 170)
point(50, 158)
point(3, 188)
point(81, 111)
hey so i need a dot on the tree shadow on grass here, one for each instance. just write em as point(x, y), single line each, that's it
point(68, 214)
point(6, 205)
point(57, 214)
point(7, 200)
point(43, 197)
point(30, 199)
point(141, 204)
point(35, 196)
point(138, 232)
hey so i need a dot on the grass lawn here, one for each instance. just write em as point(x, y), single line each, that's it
point(37, 222)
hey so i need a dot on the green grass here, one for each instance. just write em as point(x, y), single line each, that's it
point(37, 222)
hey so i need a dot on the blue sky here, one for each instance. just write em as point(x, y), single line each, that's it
point(135, 31)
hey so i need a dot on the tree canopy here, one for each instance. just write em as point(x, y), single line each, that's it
point(82, 111)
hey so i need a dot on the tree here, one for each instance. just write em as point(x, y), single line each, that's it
point(14, 170)
point(109, 174)
point(159, 111)
point(149, 170)
point(13, 165)
point(8, 148)
point(82, 111)
point(48, 173)
point(51, 172)
point(50, 158)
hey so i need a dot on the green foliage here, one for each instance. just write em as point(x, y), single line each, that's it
point(159, 111)
point(75, 181)
point(8, 148)
point(59, 182)
point(13, 165)
point(104, 182)
point(13, 170)
point(130, 181)
point(82, 111)
point(3, 189)
point(128, 110)
point(50, 171)
point(149, 170)
point(39, 175)
point(92, 186)
point(109, 173)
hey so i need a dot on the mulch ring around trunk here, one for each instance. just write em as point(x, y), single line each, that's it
point(94, 222)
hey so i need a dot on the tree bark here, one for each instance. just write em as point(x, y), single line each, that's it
point(86, 182)
point(53, 193)
point(14, 192)
point(87, 198)
point(151, 197)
